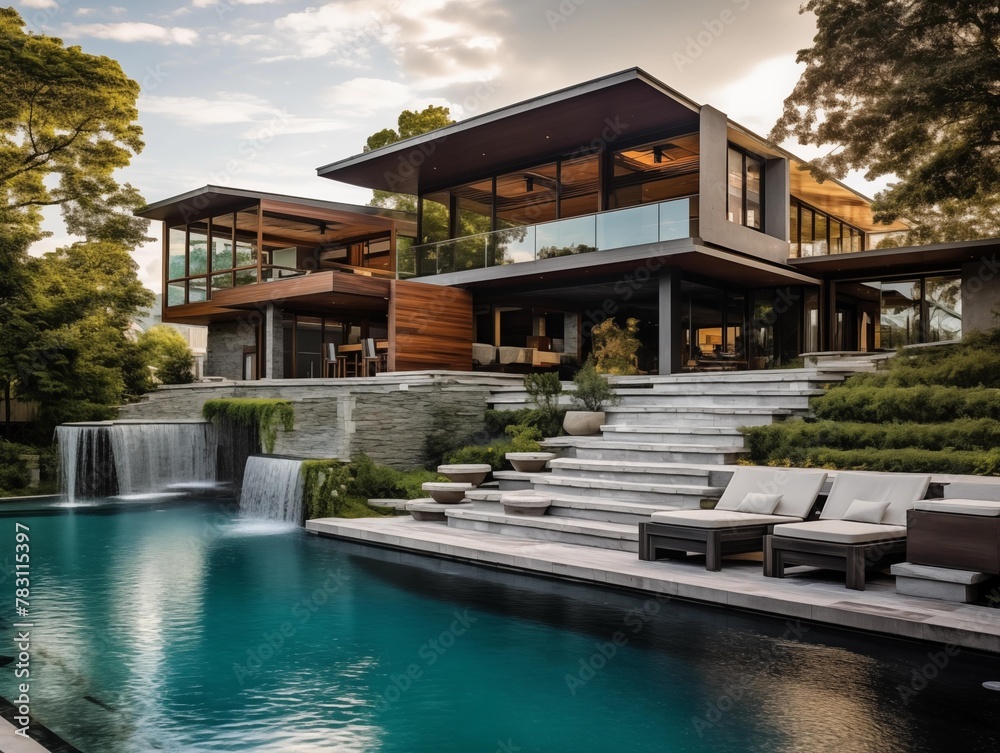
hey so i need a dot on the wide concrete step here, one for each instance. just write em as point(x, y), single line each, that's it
point(811, 374)
point(652, 452)
point(641, 492)
point(672, 415)
point(715, 436)
point(618, 536)
point(601, 510)
point(657, 473)
point(790, 400)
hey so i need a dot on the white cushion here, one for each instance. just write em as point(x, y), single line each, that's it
point(862, 511)
point(840, 531)
point(900, 490)
point(798, 488)
point(718, 518)
point(759, 503)
point(981, 507)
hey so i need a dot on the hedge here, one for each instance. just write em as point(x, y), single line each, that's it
point(927, 404)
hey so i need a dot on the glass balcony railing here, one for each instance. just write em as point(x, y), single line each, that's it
point(620, 228)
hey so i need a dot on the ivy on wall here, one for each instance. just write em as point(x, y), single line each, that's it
point(267, 415)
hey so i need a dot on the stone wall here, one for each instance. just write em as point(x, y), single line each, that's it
point(389, 417)
point(226, 340)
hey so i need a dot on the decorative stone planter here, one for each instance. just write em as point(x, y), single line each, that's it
point(429, 510)
point(471, 473)
point(583, 423)
point(446, 494)
point(529, 462)
point(525, 503)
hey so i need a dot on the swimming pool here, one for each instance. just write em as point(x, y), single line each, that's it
point(177, 627)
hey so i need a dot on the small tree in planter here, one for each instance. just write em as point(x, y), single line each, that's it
point(544, 389)
point(592, 393)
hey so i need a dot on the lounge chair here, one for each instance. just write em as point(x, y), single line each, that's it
point(862, 526)
point(728, 529)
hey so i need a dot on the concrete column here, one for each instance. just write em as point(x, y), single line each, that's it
point(776, 193)
point(670, 321)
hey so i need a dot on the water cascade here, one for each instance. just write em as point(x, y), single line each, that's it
point(108, 458)
point(272, 489)
point(86, 461)
point(151, 457)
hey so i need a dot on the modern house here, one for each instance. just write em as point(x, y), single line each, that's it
point(617, 198)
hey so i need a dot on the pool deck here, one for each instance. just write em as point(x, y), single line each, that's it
point(11, 742)
point(815, 597)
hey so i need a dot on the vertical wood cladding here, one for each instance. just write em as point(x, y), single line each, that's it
point(430, 327)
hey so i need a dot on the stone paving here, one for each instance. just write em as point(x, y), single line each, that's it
point(804, 594)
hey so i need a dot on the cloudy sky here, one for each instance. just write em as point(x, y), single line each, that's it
point(258, 93)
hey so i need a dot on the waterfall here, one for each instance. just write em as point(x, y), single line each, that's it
point(109, 458)
point(272, 489)
point(151, 457)
point(87, 463)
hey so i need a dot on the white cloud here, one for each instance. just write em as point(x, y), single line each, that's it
point(210, 3)
point(113, 9)
point(39, 3)
point(436, 43)
point(135, 32)
point(226, 108)
point(368, 94)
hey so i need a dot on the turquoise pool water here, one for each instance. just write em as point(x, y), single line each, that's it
point(179, 628)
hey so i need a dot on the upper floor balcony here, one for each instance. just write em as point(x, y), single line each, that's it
point(604, 231)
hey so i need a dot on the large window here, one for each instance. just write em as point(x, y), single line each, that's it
point(655, 172)
point(745, 189)
point(816, 233)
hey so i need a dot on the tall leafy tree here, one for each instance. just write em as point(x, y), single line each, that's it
point(168, 354)
point(909, 88)
point(67, 124)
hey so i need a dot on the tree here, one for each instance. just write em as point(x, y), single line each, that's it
point(67, 123)
point(615, 348)
point(69, 116)
point(409, 123)
point(909, 88)
point(168, 355)
point(68, 339)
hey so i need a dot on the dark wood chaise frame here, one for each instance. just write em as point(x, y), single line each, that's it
point(852, 559)
point(666, 541)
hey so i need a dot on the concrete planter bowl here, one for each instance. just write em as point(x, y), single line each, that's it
point(446, 494)
point(527, 503)
point(468, 473)
point(583, 423)
point(529, 462)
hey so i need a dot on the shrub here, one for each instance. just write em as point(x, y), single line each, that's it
point(790, 442)
point(168, 354)
point(521, 439)
point(592, 391)
point(14, 473)
point(910, 460)
point(926, 404)
point(544, 390)
point(371, 481)
point(550, 425)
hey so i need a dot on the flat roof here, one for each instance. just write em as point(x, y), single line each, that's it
point(622, 105)
point(209, 199)
point(915, 259)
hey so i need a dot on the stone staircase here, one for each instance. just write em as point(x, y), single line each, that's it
point(671, 442)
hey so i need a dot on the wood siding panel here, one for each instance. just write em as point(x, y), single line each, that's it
point(430, 327)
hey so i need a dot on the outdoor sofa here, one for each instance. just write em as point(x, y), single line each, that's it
point(862, 526)
point(756, 499)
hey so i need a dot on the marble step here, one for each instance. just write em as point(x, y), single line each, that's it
point(652, 452)
point(671, 415)
point(688, 496)
point(786, 400)
point(657, 473)
point(617, 536)
point(602, 510)
point(715, 436)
